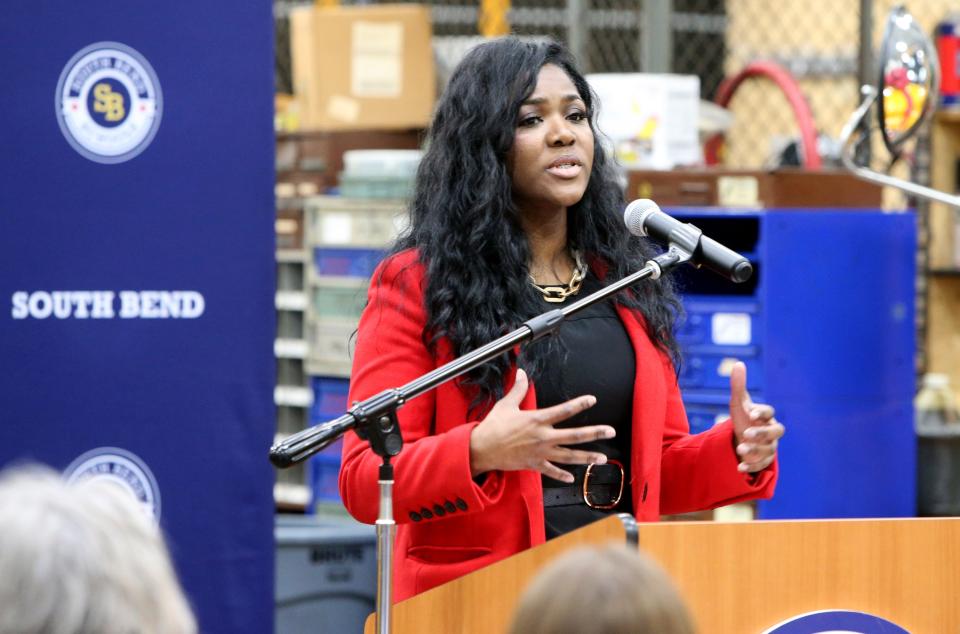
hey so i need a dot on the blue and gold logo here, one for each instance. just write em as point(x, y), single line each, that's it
point(836, 622)
point(108, 102)
point(120, 467)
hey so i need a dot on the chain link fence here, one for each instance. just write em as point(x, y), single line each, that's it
point(825, 48)
point(816, 41)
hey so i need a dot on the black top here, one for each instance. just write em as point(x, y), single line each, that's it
point(594, 357)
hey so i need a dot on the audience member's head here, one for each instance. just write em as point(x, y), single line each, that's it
point(602, 590)
point(83, 558)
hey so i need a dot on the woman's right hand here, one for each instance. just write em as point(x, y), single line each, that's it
point(511, 439)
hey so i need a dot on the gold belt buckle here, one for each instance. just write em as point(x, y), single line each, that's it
point(586, 483)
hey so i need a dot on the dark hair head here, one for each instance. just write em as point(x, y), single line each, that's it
point(466, 228)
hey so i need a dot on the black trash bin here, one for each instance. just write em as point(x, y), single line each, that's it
point(937, 423)
point(938, 471)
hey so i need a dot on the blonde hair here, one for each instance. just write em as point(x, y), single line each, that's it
point(83, 558)
point(602, 590)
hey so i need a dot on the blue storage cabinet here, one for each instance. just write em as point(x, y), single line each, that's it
point(826, 329)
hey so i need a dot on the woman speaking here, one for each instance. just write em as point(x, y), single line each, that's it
point(515, 211)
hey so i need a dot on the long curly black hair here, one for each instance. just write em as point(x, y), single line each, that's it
point(466, 229)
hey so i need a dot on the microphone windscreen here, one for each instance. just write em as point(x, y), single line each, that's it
point(636, 213)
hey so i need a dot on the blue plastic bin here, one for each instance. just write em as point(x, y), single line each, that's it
point(324, 473)
point(346, 262)
point(329, 398)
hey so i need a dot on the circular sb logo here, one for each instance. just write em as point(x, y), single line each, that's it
point(120, 467)
point(108, 102)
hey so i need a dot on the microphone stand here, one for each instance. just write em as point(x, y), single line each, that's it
point(375, 419)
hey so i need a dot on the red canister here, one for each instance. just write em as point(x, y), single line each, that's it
point(948, 50)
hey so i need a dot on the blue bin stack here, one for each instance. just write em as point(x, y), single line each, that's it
point(348, 238)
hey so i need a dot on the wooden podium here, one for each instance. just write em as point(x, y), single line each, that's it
point(738, 578)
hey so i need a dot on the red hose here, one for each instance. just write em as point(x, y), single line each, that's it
point(791, 90)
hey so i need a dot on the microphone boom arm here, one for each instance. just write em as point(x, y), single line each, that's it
point(375, 418)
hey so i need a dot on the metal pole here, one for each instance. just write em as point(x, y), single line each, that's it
point(386, 527)
point(656, 36)
point(577, 28)
point(866, 73)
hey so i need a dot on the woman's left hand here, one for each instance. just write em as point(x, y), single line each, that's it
point(755, 429)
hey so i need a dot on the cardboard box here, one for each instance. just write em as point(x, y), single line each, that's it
point(651, 119)
point(363, 67)
point(289, 228)
point(782, 188)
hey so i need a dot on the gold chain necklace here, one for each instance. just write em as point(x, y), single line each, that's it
point(556, 294)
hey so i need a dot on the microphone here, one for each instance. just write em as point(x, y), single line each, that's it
point(307, 442)
point(643, 217)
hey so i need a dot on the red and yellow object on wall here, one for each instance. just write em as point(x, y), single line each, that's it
point(903, 100)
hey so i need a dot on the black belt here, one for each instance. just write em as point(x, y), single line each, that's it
point(597, 486)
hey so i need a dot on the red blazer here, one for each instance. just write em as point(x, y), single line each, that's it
point(448, 525)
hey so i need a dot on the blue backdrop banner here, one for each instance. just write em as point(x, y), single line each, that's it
point(136, 271)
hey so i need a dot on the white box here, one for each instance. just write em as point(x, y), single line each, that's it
point(651, 119)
